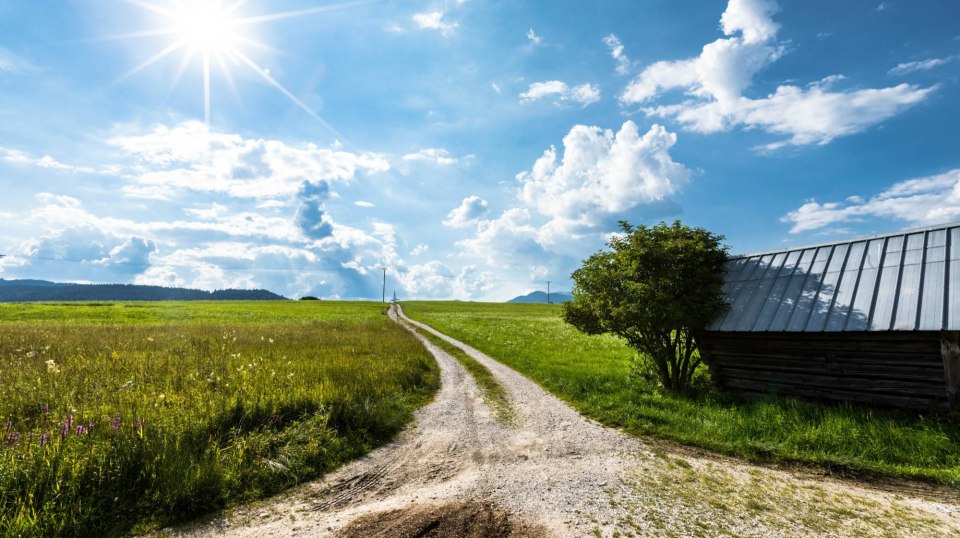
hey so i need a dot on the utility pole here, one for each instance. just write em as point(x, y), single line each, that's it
point(548, 292)
point(384, 285)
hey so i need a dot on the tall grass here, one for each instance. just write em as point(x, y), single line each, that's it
point(592, 373)
point(111, 427)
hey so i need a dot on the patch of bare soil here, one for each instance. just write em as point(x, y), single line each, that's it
point(463, 520)
point(570, 476)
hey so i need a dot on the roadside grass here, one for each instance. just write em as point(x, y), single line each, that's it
point(493, 392)
point(592, 373)
point(113, 424)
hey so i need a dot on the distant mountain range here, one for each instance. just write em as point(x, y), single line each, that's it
point(541, 297)
point(23, 291)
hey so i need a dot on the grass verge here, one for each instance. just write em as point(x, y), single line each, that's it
point(592, 374)
point(112, 425)
point(493, 392)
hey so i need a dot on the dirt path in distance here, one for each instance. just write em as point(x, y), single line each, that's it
point(552, 472)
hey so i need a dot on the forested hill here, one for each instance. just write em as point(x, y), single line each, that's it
point(18, 291)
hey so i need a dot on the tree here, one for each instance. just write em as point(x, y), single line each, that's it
point(657, 288)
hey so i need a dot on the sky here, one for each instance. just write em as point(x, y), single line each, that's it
point(476, 149)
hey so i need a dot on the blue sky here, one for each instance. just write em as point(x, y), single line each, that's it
point(475, 148)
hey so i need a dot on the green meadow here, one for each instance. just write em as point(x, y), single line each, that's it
point(593, 374)
point(123, 417)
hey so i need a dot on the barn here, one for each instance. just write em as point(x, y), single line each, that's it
point(873, 320)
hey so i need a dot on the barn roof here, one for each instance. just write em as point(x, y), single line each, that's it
point(905, 281)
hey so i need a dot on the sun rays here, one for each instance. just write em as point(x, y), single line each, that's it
point(212, 33)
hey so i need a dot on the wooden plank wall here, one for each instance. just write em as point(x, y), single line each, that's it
point(896, 369)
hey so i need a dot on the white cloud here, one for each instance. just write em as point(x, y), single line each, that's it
point(920, 65)
point(191, 157)
point(618, 53)
point(433, 20)
point(601, 173)
point(496, 87)
point(212, 212)
point(432, 155)
point(584, 94)
point(569, 201)
point(921, 201)
point(472, 209)
point(420, 249)
point(20, 158)
point(715, 81)
point(533, 37)
point(361, 203)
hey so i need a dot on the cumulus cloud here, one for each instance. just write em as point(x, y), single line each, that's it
point(920, 65)
point(434, 20)
point(920, 201)
point(714, 84)
point(601, 173)
point(618, 53)
point(472, 209)
point(311, 217)
point(192, 157)
point(569, 201)
point(583, 95)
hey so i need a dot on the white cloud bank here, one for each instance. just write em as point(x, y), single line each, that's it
point(714, 83)
point(920, 201)
point(192, 157)
point(583, 95)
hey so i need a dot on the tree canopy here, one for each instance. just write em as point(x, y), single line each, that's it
point(656, 287)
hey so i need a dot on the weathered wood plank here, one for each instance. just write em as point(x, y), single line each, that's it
point(950, 351)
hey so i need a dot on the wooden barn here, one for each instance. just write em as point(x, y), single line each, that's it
point(873, 320)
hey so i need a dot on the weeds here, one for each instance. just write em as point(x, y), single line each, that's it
point(112, 427)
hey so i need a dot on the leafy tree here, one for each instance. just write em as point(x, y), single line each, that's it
point(657, 288)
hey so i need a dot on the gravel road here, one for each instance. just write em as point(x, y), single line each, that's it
point(552, 472)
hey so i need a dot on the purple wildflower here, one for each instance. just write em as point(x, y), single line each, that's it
point(116, 423)
point(46, 409)
point(13, 437)
point(69, 421)
point(9, 425)
point(63, 430)
point(44, 437)
point(81, 430)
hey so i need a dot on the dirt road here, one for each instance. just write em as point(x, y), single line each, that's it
point(552, 472)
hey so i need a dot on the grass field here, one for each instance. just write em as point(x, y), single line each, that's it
point(592, 374)
point(123, 417)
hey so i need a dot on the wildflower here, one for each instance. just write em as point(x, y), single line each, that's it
point(44, 437)
point(63, 430)
point(69, 421)
point(12, 438)
point(52, 367)
point(31, 354)
point(9, 425)
point(149, 339)
point(46, 409)
point(81, 430)
point(116, 423)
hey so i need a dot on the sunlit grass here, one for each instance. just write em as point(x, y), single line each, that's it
point(116, 419)
point(593, 374)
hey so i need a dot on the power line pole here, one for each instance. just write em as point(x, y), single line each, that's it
point(548, 292)
point(384, 285)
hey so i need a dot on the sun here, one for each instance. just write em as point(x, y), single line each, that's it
point(211, 33)
point(207, 27)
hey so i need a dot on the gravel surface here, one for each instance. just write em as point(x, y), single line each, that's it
point(554, 471)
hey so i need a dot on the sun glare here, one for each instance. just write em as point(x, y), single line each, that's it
point(207, 27)
point(211, 33)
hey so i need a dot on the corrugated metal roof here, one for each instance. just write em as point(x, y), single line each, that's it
point(905, 281)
